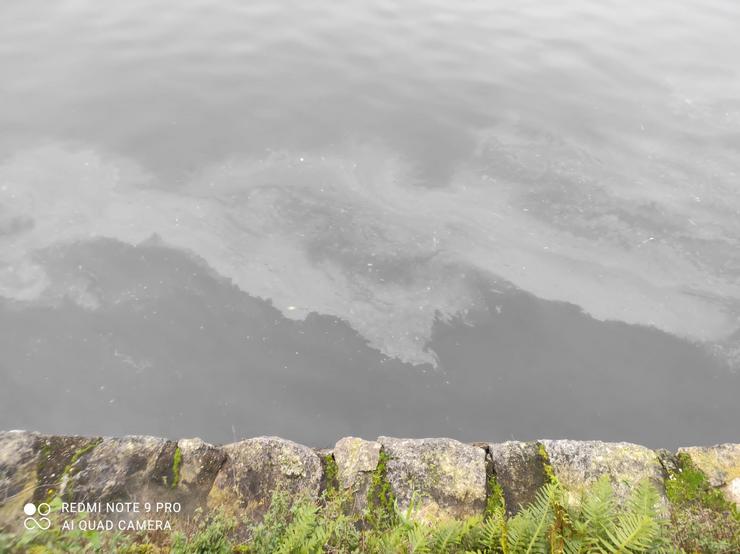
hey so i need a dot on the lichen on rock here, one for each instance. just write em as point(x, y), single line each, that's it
point(444, 478)
point(256, 468)
point(440, 478)
point(579, 464)
point(356, 460)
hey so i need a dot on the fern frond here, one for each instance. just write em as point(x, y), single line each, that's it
point(634, 533)
point(598, 513)
point(644, 500)
point(471, 532)
point(528, 529)
point(493, 531)
point(418, 539)
point(299, 534)
point(392, 541)
point(574, 545)
point(448, 536)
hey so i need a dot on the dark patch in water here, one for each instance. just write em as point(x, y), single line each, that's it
point(174, 351)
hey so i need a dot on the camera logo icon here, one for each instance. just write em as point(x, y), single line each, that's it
point(42, 522)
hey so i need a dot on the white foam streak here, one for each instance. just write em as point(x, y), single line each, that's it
point(350, 234)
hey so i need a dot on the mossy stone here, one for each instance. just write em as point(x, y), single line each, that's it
point(520, 472)
point(255, 468)
point(443, 478)
point(721, 465)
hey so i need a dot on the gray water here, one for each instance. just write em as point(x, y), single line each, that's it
point(485, 220)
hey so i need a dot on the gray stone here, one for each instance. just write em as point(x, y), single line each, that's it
point(356, 461)
point(721, 465)
point(18, 480)
point(256, 468)
point(445, 478)
point(199, 465)
point(668, 460)
point(133, 468)
point(58, 460)
point(520, 471)
point(579, 464)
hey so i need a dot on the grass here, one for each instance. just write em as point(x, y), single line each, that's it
point(304, 526)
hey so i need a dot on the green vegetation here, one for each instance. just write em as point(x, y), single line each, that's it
point(48, 452)
point(331, 474)
point(701, 519)
point(546, 466)
point(79, 454)
point(44, 457)
point(548, 525)
point(495, 499)
point(176, 463)
point(381, 503)
point(56, 541)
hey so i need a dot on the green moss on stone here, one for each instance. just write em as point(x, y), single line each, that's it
point(546, 465)
point(689, 485)
point(176, 464)
point(702, 520)
point(45, 456)
point(495, 497)
point(70, 467)
point(331, 474)
point(51, 468)
point(381, 502)
point(44, 459)
point(79, 453)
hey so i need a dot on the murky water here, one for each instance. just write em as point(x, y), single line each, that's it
point(477, 219)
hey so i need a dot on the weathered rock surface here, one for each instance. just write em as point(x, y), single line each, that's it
point(520, 471)
point(356, 461)
point(721, 465)
point(57, 461)
point(37, 468)
point(196, 469)
point(133, 468)
point(18, 481)
point(255, 468)
point(579, 464)
point(447, 476)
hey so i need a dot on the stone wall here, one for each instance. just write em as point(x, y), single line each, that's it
point(443, 477)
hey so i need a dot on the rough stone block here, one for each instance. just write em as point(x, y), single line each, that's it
point(520, 471)
point(447, 477)
point(256, 468)
point(356, 461)
point(133, 468)
point(579, 464)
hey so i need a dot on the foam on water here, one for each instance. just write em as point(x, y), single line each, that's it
point(353, 232)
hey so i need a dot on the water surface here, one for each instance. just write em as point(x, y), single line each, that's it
point(478, 219)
